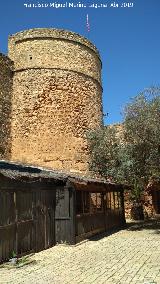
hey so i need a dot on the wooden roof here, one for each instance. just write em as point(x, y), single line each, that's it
point(24, 173)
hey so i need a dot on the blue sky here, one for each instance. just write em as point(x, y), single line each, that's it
point(128, 40)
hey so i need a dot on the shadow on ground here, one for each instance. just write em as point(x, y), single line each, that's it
point(151, 224)
point(105, 234)
point(131, 225)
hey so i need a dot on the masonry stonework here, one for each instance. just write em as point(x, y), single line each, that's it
point(6, 76)
point(57, 97)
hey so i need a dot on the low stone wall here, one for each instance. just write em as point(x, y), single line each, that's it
point(148, 201)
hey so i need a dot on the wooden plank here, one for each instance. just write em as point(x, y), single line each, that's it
point(25, 237)
point(24, 221)
point(7, 228)
point(66, 202)
point(40, 236)
point(50, 237)
point(88, 223)
point(72, 201)
point(7, 208)
point(62, 215)
point(7, 235)
point(31, 212)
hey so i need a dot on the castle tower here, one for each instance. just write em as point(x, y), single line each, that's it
point(6, 76)
point(57, 97)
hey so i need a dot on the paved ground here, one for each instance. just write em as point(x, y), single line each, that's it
point(128, 256)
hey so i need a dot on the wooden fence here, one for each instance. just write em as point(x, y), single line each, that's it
point(27, 221)
point(98, 212)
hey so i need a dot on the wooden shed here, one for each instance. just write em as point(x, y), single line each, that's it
point(40, 207)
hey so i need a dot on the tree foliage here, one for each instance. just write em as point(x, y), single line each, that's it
point(104, 149)
point(132, 155)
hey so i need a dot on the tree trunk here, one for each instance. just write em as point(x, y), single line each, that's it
point(137, 211)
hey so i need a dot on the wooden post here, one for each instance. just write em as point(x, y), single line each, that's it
point(122, 206)
point(72, 202)
point(16, 220)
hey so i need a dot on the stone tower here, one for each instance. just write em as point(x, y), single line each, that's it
point(57, 97)
point(6, 77)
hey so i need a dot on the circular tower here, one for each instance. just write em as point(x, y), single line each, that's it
point(6, 74)
point(57, 97)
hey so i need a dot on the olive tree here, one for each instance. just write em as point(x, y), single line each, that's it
point(131, 155)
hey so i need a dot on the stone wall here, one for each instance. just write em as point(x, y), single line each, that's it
point(6, 68)
point(148, 199)
point(57, 97)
